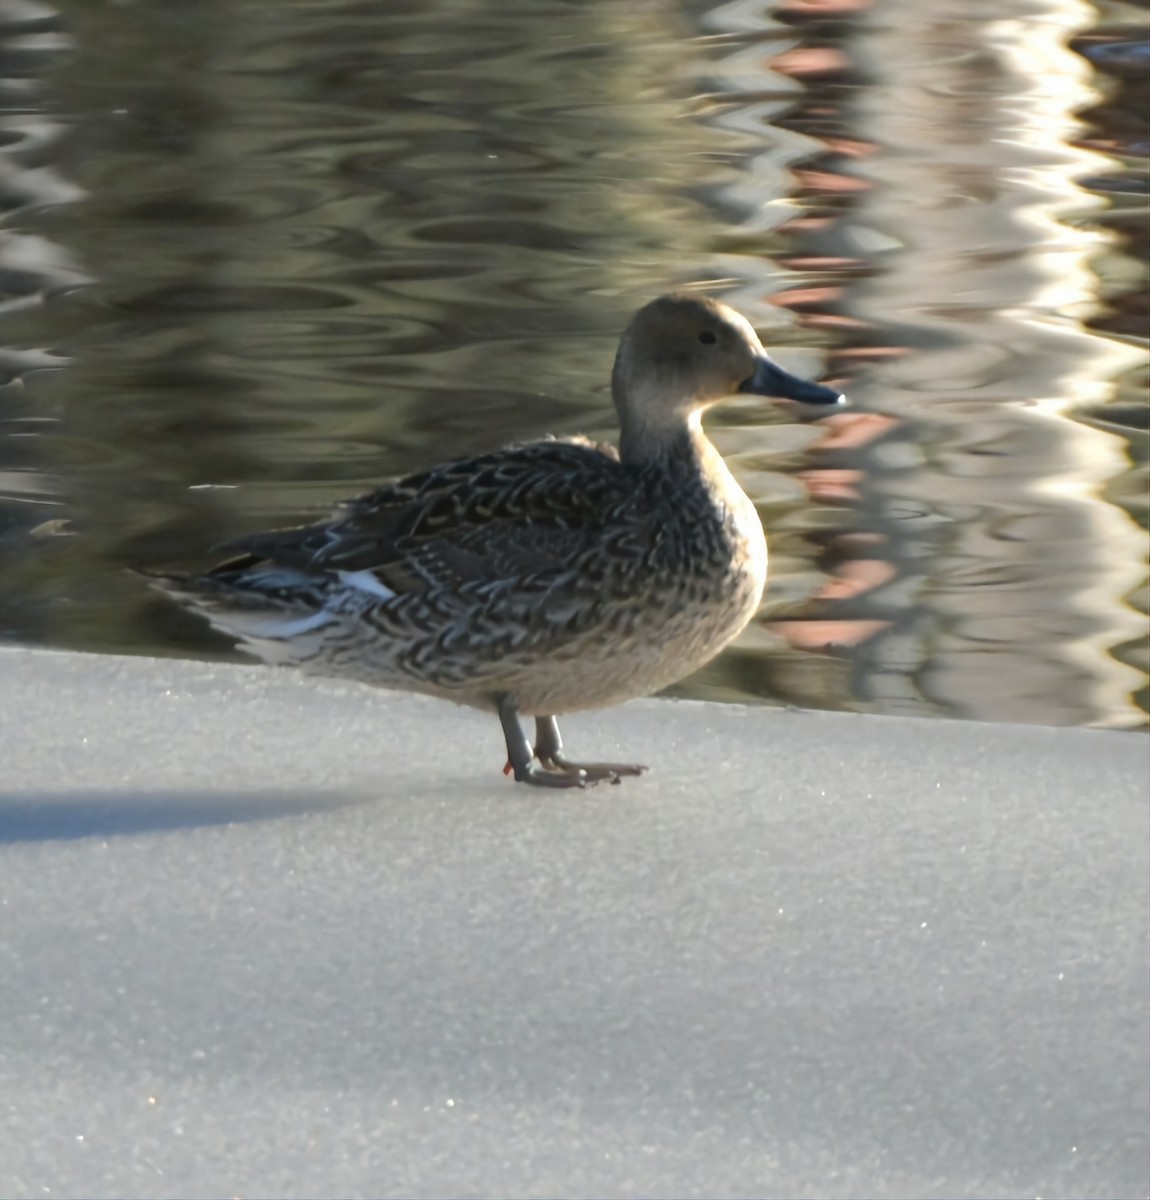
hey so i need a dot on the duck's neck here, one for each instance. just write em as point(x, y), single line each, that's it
point(685, 460)
point(671, 440)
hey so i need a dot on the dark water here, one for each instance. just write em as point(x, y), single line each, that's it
point(260, 254)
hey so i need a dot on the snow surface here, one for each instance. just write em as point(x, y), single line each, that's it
point(267, 936)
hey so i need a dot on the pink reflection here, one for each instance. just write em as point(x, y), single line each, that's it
point(849, 430)
point(805, 61)
point(860, 570)
point(828, 635)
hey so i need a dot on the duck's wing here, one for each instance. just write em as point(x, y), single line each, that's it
point(512, 513)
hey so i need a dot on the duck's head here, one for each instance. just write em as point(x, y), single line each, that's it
point(681, 354)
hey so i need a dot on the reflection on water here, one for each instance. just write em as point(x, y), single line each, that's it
point(257, 257)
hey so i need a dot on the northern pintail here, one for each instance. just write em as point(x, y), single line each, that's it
point(539, 579)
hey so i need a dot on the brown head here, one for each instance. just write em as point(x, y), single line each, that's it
point(681, 354)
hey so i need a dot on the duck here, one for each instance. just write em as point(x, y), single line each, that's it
point(542, 578)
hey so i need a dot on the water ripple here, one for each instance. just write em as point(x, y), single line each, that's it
point(243, 275)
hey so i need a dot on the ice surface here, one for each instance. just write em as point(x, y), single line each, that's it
point(261, 935)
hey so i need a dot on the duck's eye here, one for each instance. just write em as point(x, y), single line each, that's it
point(707, 338)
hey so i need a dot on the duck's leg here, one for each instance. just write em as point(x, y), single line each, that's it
point(549, 751)
point(522, 758)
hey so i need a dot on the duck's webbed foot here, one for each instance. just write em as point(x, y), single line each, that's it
point(549, 751)
point(521, 757)
point(546, 765)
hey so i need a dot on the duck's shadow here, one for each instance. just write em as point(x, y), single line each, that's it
point(69, 815)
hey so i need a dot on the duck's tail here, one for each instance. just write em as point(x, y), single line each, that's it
point(280, 614)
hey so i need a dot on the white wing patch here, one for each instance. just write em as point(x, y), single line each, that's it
point(365, 581)
point(269, 624)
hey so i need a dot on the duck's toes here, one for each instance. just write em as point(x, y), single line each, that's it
point(592, 771)
point(537, 775)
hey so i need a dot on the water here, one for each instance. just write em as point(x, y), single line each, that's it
point(260, 255)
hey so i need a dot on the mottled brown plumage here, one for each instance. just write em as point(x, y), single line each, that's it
point(542, 578)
